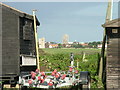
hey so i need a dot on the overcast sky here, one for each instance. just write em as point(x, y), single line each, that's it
point(80, 20)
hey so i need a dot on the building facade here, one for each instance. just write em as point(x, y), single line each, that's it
point(113, 54)
point(65, 39)
point(17, 42)
point(42, 42)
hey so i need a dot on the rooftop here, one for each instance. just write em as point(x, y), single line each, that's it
point(112, 23)
point(18, 12)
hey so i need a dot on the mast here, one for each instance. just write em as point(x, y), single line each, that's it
point(108, 18)
point(36, 39)
point(109, 11)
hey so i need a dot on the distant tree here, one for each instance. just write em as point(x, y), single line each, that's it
point(60, 45)
point(53, 42)
point(77, 46)
point(99, 42)
point(93, 44)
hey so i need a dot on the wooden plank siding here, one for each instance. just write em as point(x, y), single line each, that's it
point(113, 54)
point(17, 39)
point(113, 60)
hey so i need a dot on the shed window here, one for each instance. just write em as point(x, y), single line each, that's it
point(27, 28)
point(114, 30)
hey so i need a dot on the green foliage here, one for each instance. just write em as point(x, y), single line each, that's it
point(77, 46)
point(10, 89)
point(60, 59)
point(91, 65)
point(93, 44)
point(55, 61)
point(60, 45)
point(69, 50)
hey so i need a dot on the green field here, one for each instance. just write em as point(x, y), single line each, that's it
point(69, 50)
point(59, 59)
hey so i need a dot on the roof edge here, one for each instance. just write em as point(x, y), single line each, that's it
point(22, 14)
point(111, 22)
point(14, 9)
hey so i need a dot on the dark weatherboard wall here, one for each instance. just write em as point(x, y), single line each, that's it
point(10, 42)
point(18, 41)
point(27, 39)
point(113, 57)
point(113, 54)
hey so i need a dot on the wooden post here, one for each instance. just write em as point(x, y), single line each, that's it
point(36, 39)
point(77, 64)
point(102, 57)
point(108, 18)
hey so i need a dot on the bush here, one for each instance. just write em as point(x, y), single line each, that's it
point(61, 61)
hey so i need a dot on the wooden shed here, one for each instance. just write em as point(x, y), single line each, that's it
point(17, 42)
point(113, 54)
